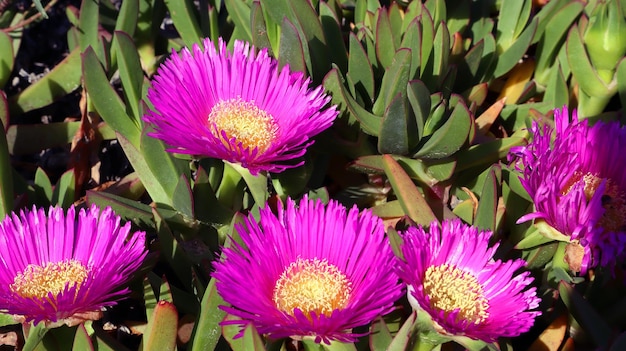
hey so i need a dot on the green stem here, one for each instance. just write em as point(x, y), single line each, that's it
point(422, 344)
point(558, 260)
point(310, 345)
point(589, 106)
point(257, 184)
point(227, 191)
point(6, 176)
point(35, 335)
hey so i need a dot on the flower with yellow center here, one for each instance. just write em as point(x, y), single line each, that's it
point(53, 278)
point(242, 122)
point(64, 267)
point(574, 173)
point(237, 106)
point(452, 276)
point(312, 285)
point(451, 289)
point(311, 270)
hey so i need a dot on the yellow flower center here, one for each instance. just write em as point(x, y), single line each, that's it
point(37, 281)
point(613, 199)
point(244, 121)
point(450, 288)
point(312, 285)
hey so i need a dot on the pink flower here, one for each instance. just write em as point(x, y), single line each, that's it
point(61, 266)
point(239, 107)
point(575, 175)
point(311, 270)
point(451, 275)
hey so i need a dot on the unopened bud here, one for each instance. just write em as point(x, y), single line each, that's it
point(605, 37)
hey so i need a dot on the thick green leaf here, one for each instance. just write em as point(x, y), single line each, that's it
point(394, 81)
point(148, 178)
point(131, 73)
point(88, 35)
point(260, 38)
point(62, 80)
point(161, 330)
point(419, 98)
point(533, 238)
point(450, 137)
point(586, 76)
point(334, 84)
point(413, 40)
point(469, 66)
point(35, 336)
point(334, 36)
point(553, 38)
point(398, 130)
point(171, 249)
point(206, 207)
point(82, 340)
point(586, 315)
point(385, 48)
point(127, 17)
point(239, 12)
point(545, 15)
point(487, 206)
point(6, 58)
point(380, 337)
point(279, 10)
point(401, 339)
point(185, 20)
point(410, 197)
point(317, 55)
point(291, 49)
point(207, 330)
point(250, 341)
point(129, 210)
point(510, 18)
point(428, 38)
point(64, 191)
point(43, 186)
point(487, 153)
point(509, 58)
point(105, 99)
point(6, 176)
point(4, 110)
point(413, 11)
point(257, 184)
point(166, 169)
point(540, 256)
point(20, 137)
point(182, 198)
point(360, 68)
point(557, 92)
point(437, 64)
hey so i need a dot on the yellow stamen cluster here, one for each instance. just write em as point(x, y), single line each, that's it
point(613, 199)
point(37, 281)
point(312, 285)
point(450, 288)
point(244, 121)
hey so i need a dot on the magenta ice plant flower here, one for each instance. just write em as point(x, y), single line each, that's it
point(237, 106)
point(451, 275)
point(309, 271)
point(574, 173)
point(61, 267)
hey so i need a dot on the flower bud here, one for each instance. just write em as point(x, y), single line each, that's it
point(605, 37)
